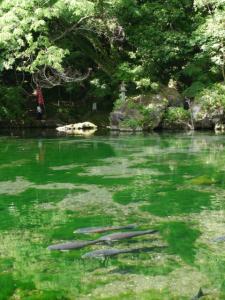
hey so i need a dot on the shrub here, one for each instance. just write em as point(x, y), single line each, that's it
point(131, 123)
point(11, 103)
point(212, 98)
point(176, 117)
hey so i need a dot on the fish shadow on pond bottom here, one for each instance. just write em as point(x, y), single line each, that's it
point(106, 254)
point(219, 239)
point(129, 242)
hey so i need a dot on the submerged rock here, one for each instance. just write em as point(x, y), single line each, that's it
point(203, 180)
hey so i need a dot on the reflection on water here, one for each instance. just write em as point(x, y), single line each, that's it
point(50, 187)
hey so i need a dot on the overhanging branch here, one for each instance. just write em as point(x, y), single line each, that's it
point(70, 29)
point(49, 77)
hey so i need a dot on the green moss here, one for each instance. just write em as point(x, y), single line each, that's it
point(66, 229)
point(35, 218)
point(203, 180)
point(176, 202)
point(6, 264)
point(181, 239)
point(7, 286)
point(146, 295)
point(132, 195)
point(26, 285)
point(46, 295)
point(148, 111)
point(153, 270)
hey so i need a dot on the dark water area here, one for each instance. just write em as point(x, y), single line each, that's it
point(52, 185)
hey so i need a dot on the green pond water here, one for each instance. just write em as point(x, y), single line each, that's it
point(50, 187)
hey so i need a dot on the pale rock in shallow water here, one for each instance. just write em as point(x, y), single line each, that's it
point(85, 128)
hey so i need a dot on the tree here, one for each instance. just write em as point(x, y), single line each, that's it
point(35, 37)
point(158, 34)
point(210, 35)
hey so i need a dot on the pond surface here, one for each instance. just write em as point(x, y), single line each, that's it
point(172, 183)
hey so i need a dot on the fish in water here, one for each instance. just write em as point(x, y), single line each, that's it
point(106, 238)
point(199, 295)
point(104, 229)
point(71, 245)
point(124, 235)
point(219, 239)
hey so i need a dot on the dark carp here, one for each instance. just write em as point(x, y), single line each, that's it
point(104, 229)
point(104, 239)
point(124, 235)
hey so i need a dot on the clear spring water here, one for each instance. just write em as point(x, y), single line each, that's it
point(171, 182)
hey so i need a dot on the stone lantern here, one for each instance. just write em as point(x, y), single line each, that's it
point(123, 91)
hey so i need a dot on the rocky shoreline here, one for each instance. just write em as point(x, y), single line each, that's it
point(163, 109)
point(166, 109)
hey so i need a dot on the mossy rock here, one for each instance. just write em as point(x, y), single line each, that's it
point(208, 109)
point(139, 113)
point(144, 112)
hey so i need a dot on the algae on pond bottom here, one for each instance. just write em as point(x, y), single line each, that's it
point(67, 184)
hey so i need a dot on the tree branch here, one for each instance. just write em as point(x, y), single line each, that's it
point(68, 30)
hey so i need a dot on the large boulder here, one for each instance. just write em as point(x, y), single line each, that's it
point(175, 99)
point(144, 112)
point(204, 118)
point(138, 113)
point(208, 110)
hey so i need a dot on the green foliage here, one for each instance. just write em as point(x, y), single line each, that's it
point(158, 33)
point(118, 104)
point(194, 89)
point(208, 4)
point(148, 113)
point(12, 103)
point(131, 123)
point(24, 36)
point(212, 98)
point(142, 43)
point(28, 41)
point(209, 35)
point(99, 89)
point(176, 117)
